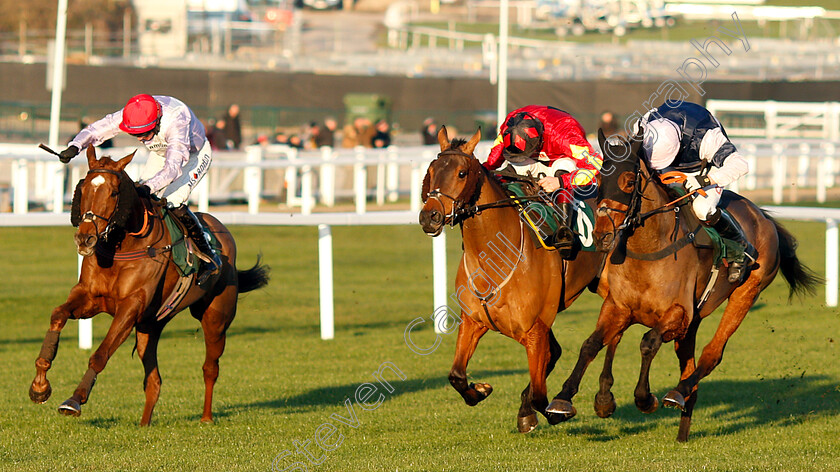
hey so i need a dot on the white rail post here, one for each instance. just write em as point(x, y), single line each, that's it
point(830, 152)
point(804, 165)
point(291, 179)
point(414, 191)
point(325, 278)
point(750, 179)
point(20, 186)
point(439, 276)
point(57, 171)
point(86, 325)
point(253, 178)
point(779, 169)
point(393, 178)
point(327, 177)
point(380, 181)
point(306, 203)
point(360, 181)
point(831, 262)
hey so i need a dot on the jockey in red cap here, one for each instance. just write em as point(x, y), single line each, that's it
point(178, 159)
point(548, 143)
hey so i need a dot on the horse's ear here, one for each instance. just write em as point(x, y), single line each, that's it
point(443, 138)
point(91, 156)
point(473, 142)
point(602, 140)
point(125, 160)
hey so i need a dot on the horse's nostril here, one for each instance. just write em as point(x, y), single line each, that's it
point(436, 217)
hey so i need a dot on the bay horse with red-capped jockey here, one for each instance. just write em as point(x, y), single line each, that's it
point(505, 281)
point(656, 277)
point(128, 272)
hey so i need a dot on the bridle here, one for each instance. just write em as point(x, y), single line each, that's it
point(91, 217)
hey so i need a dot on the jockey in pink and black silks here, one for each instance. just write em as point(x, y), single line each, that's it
point(686, 137)
point(179, 157)
point(548, 143)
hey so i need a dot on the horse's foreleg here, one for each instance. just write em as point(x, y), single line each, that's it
point(543, 351)
point(76, 306)
point(120, 328)
point(469, 332)
point(608, 327)
point(651, 341)
point(147, 344)
point(604, 399)
point(215, 320)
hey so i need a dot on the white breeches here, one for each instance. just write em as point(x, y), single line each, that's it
point(177, 192)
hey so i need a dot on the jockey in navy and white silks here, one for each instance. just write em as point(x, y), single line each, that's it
point(179, 157)
point(686, 137)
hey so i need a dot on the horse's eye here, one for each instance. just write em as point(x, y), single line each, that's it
point(462, 174)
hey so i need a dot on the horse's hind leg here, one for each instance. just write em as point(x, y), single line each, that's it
point(469, 333)
point(77, 305)
point(685, 353)
point(604, 399)
point(645, 402)
point(736, 309)
point(147, 344)
point(543, 351)
point(215, 320)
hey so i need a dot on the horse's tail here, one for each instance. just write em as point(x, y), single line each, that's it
point(799, 277)
point(253, 278)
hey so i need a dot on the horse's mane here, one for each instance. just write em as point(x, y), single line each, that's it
point(125, 202)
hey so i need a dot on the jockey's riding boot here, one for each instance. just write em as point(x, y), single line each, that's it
point(564, 238)
point(728, 228)
point(205, 251)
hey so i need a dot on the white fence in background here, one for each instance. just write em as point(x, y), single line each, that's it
point(304, 179)
point(771, 119)
point(325, 221)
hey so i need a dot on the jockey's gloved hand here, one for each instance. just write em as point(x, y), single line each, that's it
point(695, 182)
point(143, 191)
point(67, 154)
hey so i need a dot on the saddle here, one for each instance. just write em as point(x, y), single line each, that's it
point(708, 238)
point(542, 216)
point(185, 260)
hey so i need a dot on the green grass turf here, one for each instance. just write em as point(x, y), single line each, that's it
point(772, 404)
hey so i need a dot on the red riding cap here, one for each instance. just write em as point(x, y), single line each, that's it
point(141, 114)
point(522, 138)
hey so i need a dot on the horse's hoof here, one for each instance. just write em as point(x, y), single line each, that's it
point(70, 407)
point(484, 389)
point(562, 407)
point(554, 418)
point(604, 405)
point(648, 406)
point(526, 424)
point(42, 396)
point(674, 399)
point(207, 421)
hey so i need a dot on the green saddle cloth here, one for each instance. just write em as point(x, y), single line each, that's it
point(546, 218)
point(186, 262)
point(709, 237)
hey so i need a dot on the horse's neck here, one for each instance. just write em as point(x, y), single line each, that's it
point(494, 227)
point(656, 227)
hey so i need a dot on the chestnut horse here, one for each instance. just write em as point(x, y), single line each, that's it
point(505, 282)
point(659, 279)
point(128, 272)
